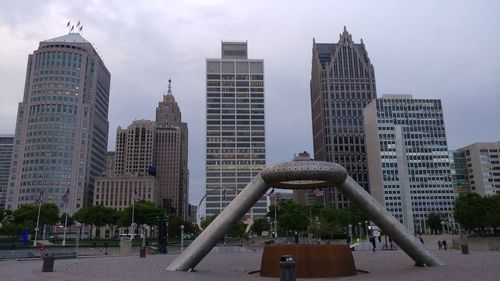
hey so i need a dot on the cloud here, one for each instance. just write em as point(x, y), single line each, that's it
point(445, 49)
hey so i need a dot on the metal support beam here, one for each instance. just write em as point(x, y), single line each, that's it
point(301, 175)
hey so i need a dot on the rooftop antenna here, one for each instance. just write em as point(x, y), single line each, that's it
point(169, 91)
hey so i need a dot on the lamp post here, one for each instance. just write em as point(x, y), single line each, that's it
point(182, 238)
point(78, 230)
point(442, 226)
point(366, 229)
point(350, 233)
point(359, 231)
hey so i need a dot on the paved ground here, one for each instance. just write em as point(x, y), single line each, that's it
point(380, 265)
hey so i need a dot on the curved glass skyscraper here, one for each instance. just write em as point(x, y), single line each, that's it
point(62, 125)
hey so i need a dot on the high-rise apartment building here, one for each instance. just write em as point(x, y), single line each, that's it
point(408, 159)
point(171, 155)
point(6, 145)
point(483, 167)
point(62, 124)
point(342, 84)
point(236, 146)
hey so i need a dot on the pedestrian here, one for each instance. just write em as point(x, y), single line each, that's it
point(380, 238)
point(440, 245)
point(372, 240)
point(421, 239)
point(445, 245)
point(348, 240)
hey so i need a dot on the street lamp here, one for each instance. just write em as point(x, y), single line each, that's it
point(182, 238)
point(366, 228)
point(442, 226)
point(350, 233)
point(359, 231)
point(78, 230)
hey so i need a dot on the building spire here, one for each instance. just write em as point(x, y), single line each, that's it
point(169, 91)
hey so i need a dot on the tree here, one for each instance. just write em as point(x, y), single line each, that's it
point(493, 211)
point(236, 230)
point(144, 213)
point(434, 221)
point(292, 217)
point(471, 211)
point(25, 217)
point(260, 225)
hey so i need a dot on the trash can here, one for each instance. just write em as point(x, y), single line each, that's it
point(142, 252)
point(465, 248)
point(48, 263)
point(287, 268)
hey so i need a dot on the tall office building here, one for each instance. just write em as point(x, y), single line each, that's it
point(342, 84)
point(236, 147)
point(171, 155)
point(6, 145)
point(483, 167)
point(408, 158)
point(134, 148)
point(62, 124)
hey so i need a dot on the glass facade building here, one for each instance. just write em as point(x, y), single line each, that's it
point(235, 128)
point(342, 84)
point(62, 125)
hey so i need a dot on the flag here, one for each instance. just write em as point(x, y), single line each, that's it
point(72, 27)
point(271, 196)
point(39, 199)
point(69, 22)
point(81, 27)
point(318, 192)
point(65, 197)
point(78, 24)
point(136, 196)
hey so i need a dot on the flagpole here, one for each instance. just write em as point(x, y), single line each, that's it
point(65, 225)
point(133, 214)
point(37, 221)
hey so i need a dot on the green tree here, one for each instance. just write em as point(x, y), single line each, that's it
point(236, 230)
point(144, 213)
point(260, 225)
point(471, 211)
point(493, 211)
point(292, 217)
point(434, 221)
point(25, 217)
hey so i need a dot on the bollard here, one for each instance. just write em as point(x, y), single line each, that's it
point(287, 268)
point(142, 252)
point(48, 263)
point(465, 248)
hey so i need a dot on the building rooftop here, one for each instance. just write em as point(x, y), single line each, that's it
point(69, 38)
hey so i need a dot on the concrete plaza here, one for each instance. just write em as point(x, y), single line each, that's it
point(380, 265)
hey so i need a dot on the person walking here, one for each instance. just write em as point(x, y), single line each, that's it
point(445, 245)
point(440, 245)
point(374, 243)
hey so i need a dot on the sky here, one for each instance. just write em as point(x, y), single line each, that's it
point(449, 50)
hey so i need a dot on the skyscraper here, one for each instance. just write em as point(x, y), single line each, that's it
point(236, 147)
point(171, 155)
point(408, 158)
point(6, 145)
point(62, 124)
point(342, 84)
point(482, 162)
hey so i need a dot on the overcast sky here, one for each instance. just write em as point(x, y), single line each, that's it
point(448, 50)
